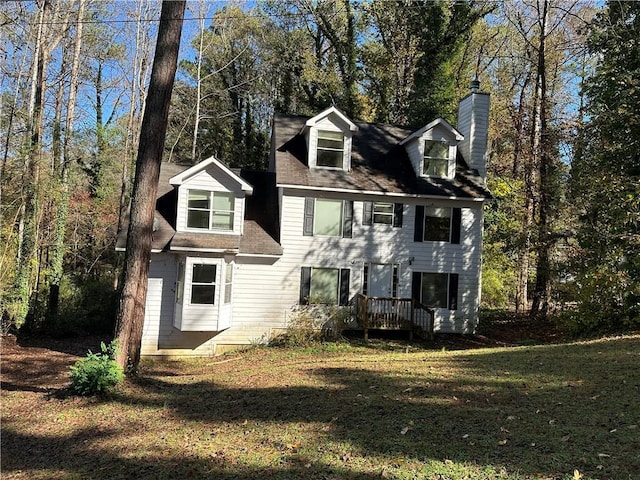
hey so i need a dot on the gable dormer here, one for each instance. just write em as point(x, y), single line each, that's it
point(211, 199)
point(433, 149)
point(329, 137)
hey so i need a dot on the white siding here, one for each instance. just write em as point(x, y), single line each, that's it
point(385, 244)
point(473, 123)
point(159, 336)
point(265, 289)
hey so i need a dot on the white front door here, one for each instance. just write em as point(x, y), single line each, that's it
point(380, 280)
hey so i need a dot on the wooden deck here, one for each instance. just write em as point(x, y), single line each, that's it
point(389, 313)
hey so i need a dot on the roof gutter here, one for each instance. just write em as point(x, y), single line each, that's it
point(384, 194)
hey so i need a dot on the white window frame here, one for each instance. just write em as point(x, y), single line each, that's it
point(319, 137)
point(180, 282)
point(449, 159)
point(316, 216)
point(312, 298)
point(213, 284)
point(228, 283)
point(211, 211)
point(424, 221)
point(389, 215)
point(423, 283)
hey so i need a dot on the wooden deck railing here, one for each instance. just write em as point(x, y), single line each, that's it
point(391, 313)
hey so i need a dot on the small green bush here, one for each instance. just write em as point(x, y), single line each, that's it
point(97, 373)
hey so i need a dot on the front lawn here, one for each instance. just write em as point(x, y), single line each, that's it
point(564, 411)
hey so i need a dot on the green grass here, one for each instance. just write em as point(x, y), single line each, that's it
point(545, 412)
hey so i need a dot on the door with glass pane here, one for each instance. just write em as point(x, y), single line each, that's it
point(380, 280)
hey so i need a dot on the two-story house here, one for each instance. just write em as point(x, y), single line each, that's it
point(346, 208)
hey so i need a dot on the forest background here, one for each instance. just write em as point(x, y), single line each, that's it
point(562, 234)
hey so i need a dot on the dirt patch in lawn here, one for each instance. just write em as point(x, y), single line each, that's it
point(40, 364)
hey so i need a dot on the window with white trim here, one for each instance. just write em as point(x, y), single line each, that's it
point(435, 290)
point(209, 210)
point(180, 283)
point(203, 284)
point(328, 217)
point(436, 158)
point(330, 149)
point(324, 285)
point(383, 213)
point(228, 282)
point(437, 224)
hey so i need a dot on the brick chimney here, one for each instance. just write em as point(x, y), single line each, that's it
point(473, 123)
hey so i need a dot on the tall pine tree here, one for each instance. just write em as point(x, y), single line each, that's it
point(606, 175)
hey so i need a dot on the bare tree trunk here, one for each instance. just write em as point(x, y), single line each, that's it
point(27, 230)
point(130, 316)
point(196, 123)
point(541, 152)
point(57, 256)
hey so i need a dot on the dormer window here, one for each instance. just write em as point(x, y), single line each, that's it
point(210, 210)
point(436, 159)
point(329, 136)
point(330, 149)
point(432, 149)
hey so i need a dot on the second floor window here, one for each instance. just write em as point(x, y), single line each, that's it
point(330, 149)
point(210, 210)
point(437, 224)
point(383, 213)
point(328, 218)
point(436, 159)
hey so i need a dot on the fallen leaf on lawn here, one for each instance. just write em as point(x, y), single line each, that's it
point(511, 417)
point(404, 431)
point(577, 475)
point(502, 442)
point(466, 435)
point(574, 383)
point(604, 455)
point(565, 438)
point(552, 422)
point(613, 431)
point(406, 390)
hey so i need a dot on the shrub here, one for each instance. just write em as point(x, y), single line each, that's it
point(97, 373)
point(314, 323)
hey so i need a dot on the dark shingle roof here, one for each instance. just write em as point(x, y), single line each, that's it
point(260, 223)
point(378, 164)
